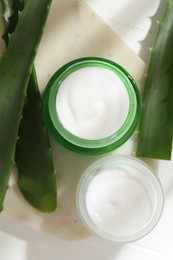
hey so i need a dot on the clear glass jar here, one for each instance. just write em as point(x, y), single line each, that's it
point(119, 198)
point(82, 145)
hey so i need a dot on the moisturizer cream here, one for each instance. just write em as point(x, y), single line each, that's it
point(91, 105)
point(119, 198)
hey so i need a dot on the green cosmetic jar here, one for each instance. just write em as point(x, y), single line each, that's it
point(91, 146)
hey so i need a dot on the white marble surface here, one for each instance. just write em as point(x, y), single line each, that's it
point(135, 22)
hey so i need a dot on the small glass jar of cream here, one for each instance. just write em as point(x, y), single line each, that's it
point(91, 105)
point(119, 198)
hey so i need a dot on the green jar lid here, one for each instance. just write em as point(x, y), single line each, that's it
point(76, 143)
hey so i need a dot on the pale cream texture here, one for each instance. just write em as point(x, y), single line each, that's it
point(119, 202)
point(92, 103)
point(72, 31)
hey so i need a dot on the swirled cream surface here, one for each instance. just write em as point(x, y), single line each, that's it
point(92, 103)
point(119, 202)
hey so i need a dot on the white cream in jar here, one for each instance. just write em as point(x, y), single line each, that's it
point(119, 198)
point(92, 103)
point(117, 202)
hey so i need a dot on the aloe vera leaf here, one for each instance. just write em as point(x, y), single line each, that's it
point(6, 14)
point(36, 174)
point(15, 69)
point(155, 130)
point(37, 179)
point(10, 16)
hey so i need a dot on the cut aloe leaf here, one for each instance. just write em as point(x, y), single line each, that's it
point(16, 65)
point(156, 126)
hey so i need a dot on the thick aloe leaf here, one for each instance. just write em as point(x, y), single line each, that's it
point(10, 16)
point(37, 179)
point(155, 131)
point(36, 175)
point(15, 69)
